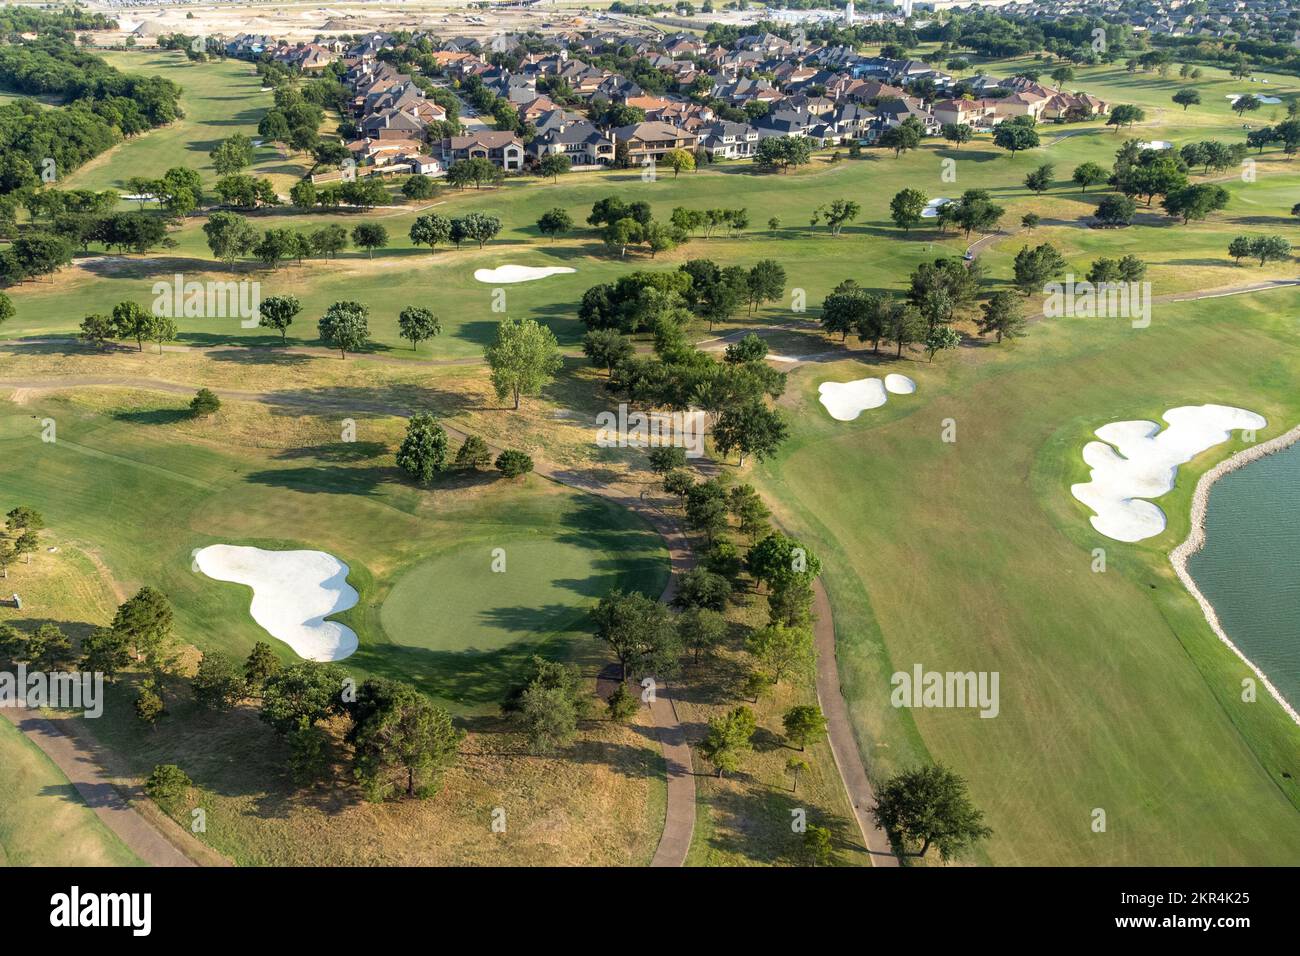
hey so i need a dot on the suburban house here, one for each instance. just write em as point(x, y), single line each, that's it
point(580, 140)
point(650, 140)
point(726, 140)
point(500, 147)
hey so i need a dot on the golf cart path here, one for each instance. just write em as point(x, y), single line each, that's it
point(97, 789)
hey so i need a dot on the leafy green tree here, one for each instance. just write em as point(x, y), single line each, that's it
point(765, 282)
point(417, 325)
point(232, 154)
point(554, 222)
point(957, 133)
point(149, 705)
point(229, 236)
point(782, 650)
point(701, 630)
point(49, 648)
point(7, 310)
point(639, 631)
point(728, 739)
point(622, 704)
point(145, 620)
point(402, 741)
point(1040, 180)
point(803, 723)
point(1125, 115)
point(1089, 174)
point(678, 160)
point(818, 850)
point(370, 236)
point(219, 684)
point(1115, 210)
point(261, 666)
point(796, 767)
point(752, 428)
point(1187, 96)
point(345, 326)
point(204, 403)
point(104, 651)
point(329, 240)
point(1034, 267)
point(423, 452)
point(607, 347)
point(906, 208)
point(480, 227)
point(940, 338)
point(1002, 315)
point(1015, 137)
point(167, 785)
point(903, 137)
point(1195, 202)
point(473, 453)
point(304, 690)
point(513, 464)
point(1270, 249)
point(700, 587)
point(419, 186)
point(929, 806)
point(430, 229)
point(277, 312)
point(524, 358)
point(554, 165)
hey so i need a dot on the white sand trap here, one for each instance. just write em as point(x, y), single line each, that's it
point(503, 275)
point(1144, 464)
point(847, 400)
point(1156, 144)
point(931, 210)
point(1264, 100)
point(293, 593)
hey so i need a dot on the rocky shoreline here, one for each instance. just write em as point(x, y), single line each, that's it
point(1196, 540)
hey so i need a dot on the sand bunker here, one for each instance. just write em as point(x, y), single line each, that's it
point(846, 400)
point(1144, 464)
point(931, 210)
point(503, 275)
point(293, 593)
point(1264, 100)
point(1156, 144)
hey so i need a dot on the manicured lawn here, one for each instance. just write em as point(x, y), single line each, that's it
point(43, 820)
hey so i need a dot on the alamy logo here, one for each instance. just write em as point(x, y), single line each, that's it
point(74, 908)
point(1098, 300)
point(922, 688)
point(60, 690)
point(640, 430)
point(208, 300)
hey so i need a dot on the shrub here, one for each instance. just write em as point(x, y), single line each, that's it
point(514, 464)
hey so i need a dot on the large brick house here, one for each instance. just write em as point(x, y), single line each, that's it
point(500, 147)
point(652, 140)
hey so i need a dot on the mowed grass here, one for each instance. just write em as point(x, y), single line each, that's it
point(219, 99)
point(124, 484)
point(43, 820)
point(972, 555)
point(871, 250)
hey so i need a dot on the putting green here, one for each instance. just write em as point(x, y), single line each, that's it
point(457, 602)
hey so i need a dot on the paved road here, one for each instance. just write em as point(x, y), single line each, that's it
point(81, 768)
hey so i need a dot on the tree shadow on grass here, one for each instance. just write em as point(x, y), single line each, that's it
point(327, 480)
point(153, 416)
point(340, 452)
point(752, 820)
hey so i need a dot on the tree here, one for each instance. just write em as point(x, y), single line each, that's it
point(728, 739)
point(782, 650)
point(423, 452)
point(97, 329)
point(229, 236)
point(219, 684)
point(277, 312)
point(303, 691)
point(370, 236)
point(940, 338)
point(700, 587)
point(752, 428)
point(1270, 249)
point(1089, 174)
point(148, 703)
point(1034, 267)
point(473, 453)
point(402, 741)
point(514, 464)
point(261, 666)
point(232, 154)
point(622, 704)
point(1040, 180)
point(677, 160)
point(607, 347)
point(1246, 104)
point(701, 630)
point(906, 208)
point(803, 723)
point(554, 222)
point(24, 518)
point(639, 631)
point(429, 230)
point(554, 165)
point(796, 767)
point(104, 651)
point(524, 358)
point(329, 240)
point(480, 227)
point(1125, 115)
point(1001, 314)
point(817, 849)
point(418, 324)
point(903, 137)
point(929, 806)
point(49, 648)
point(161, 329)
point(1195, 202)
point(666, 458)
point(783, 152)
point(145, 621)
point(765, 282)
point(303, 194)
point(706, 508)
point(167, 785)
point(1186, 97)
point(957, 133)
point(1015, 137)
point(6, 308)
point(345, 326)
point(1115, 210)
point(204, 403)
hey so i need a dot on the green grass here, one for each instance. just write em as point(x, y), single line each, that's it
point(43, 820)
point(123, 483)
point(973, 556)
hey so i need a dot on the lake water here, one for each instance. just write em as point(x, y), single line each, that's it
point(1249, 568)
